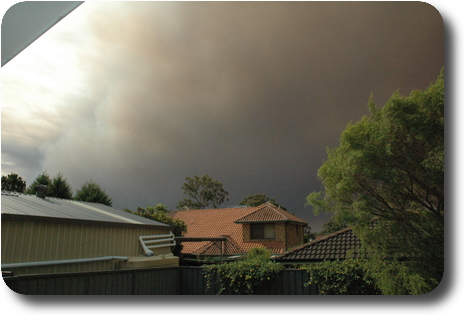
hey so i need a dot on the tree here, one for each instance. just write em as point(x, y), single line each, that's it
point(342, 277)
point(333, 225)
point(390, 167)
point(41, 179)
point(92, 192)
point(309, 237)
point(160, 213)
point(257, 200)
point(13, 182)
point(203, 192)
point(60, 188)
point(57, 187)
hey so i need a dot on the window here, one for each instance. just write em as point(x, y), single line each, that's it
point(262, 231)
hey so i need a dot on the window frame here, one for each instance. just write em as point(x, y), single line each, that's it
point(258, 231)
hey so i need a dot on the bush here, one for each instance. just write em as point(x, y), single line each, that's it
point(160, 213)
point(247, 276)
point(347, 277)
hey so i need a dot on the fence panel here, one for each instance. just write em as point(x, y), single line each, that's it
point(193, 281)
point(289, 282)
point(293, 282)
point(163, 281)
point(114, 283)
point(156, 281)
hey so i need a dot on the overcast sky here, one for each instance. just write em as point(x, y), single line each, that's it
point(138, 96)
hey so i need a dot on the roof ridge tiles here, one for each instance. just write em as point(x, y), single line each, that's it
point(268, 212)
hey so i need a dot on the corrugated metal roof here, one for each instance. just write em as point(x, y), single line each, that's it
point(30, 205)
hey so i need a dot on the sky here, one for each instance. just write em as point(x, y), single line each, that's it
point(137, 96)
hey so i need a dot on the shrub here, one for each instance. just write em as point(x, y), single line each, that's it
point(246, 276)
point(347, 277)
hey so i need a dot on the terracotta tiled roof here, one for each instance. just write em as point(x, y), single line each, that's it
point(269, 213)
point(214, 248)
point(339, 245)
point(210, 223)
point(274, 247)
point(224, 222)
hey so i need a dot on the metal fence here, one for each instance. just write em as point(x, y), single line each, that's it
point(156, 281)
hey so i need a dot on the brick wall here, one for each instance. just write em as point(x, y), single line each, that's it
point(290, 233)
point(294, 235)
point(246, 232)
point(280, 231)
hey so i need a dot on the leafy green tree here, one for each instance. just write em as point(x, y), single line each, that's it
point(160, 213)
point(57, 187)
point(333, 225)
point(41, 179)
point(257, 200)
point(203, 192)
point(60, 188)
point(92, 192)
point(342, 277)
point(13, 182)
point(390, 166)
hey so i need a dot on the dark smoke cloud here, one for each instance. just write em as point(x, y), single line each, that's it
point(250, 93)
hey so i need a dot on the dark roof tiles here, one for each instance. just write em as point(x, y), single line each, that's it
point(339, 245)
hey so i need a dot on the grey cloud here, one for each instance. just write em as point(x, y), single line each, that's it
point(23, 160)
point(250, 93)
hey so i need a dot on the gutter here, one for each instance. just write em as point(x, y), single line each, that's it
point(61, 262)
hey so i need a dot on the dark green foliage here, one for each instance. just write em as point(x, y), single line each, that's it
point(390, 166)
point(60, 188)
point(42, 179)
point(57, 187)
point(347, 277)
point(203, 192)
point(333, 225)
point(13, 182)
point(407, 257)
point(257, 200)
point(246, 276)
point(92, 192)
point(160, 213)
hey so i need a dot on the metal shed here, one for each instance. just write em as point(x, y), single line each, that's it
point(52, 235)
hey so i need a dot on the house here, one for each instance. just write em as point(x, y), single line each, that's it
point(342, 244)
point(229, 232)
point(42, 235)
